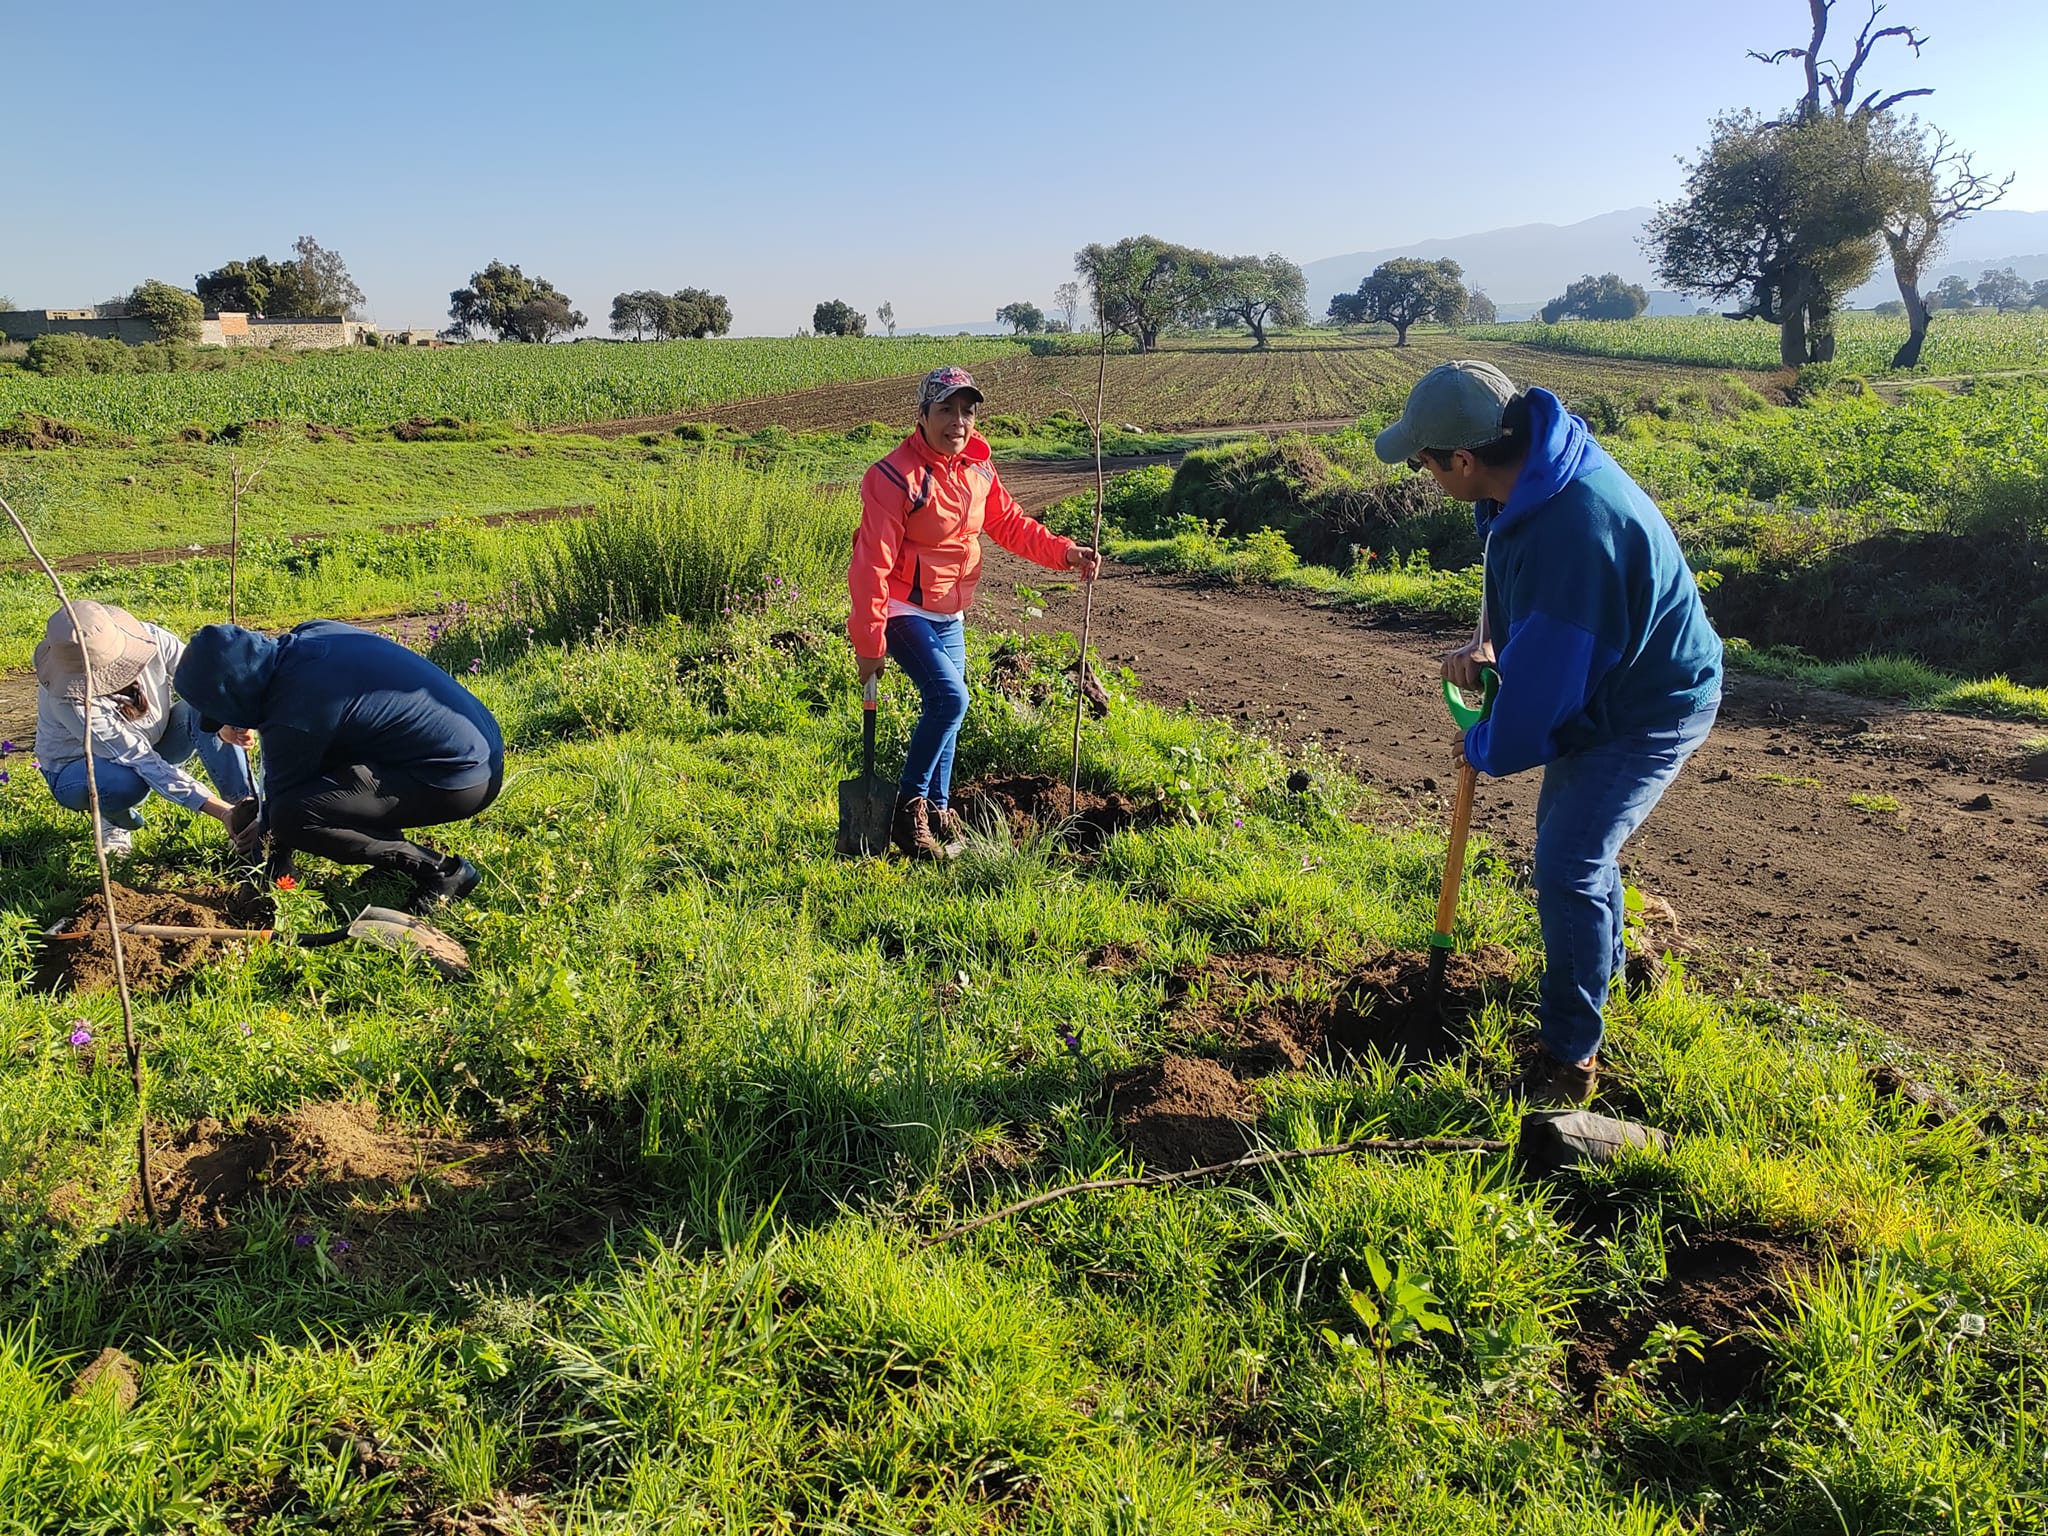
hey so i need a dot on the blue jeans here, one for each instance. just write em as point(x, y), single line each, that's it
point(1590, 803)
point(933, 655)
point(122, 789)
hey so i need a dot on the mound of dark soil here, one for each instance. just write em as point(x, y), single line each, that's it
point(30, 429)
point(1728, 1290)
point(332, 1150)
point(1028, 803)
point(80, 956)
point(1266, 1007)
point(1180, 1113)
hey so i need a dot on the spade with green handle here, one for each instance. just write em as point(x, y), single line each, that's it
point(1464, 714)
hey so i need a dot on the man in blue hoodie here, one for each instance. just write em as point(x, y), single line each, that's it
point(1610, 674)
point(362, 739)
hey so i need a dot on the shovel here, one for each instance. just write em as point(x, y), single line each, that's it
point(382, 926)
point(1465, 715)
point(867, 805)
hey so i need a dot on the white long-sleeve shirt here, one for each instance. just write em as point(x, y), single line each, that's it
point(60, 729)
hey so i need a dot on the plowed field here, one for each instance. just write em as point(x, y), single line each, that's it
point(1211, 385)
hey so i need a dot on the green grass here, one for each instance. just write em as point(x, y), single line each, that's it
point(1969, 342)
point(745, 1077)
point(1876, 805)
point(530, 386)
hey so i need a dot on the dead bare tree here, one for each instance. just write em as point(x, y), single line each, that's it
point(1914, 234)
point(99, 849)
point(1839, 82)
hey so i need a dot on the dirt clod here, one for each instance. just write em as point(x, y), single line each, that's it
point(111, 1371)
point(335, 1149)
point(1386, 1005)
point(79, 957)
point(1728, 1290)
point(1182, 1112)
point(1028, 803)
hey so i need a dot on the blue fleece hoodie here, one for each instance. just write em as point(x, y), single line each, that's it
point(328, 696)
point(1604, 633)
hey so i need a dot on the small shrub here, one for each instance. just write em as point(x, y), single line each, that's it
point(65, 354)
point(1267, 557)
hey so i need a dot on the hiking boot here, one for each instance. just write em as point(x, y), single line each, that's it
point(947, 827)
point(1547, 1083)
point(457, 879)
point(913, 829)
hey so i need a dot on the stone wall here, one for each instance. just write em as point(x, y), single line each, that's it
point(28, 324)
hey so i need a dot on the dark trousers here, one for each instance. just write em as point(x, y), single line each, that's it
point(359, 815)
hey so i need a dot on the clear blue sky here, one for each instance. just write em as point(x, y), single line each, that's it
point(949, 158)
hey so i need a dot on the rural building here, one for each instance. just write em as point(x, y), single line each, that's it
point(415, 336)
point(225, 329)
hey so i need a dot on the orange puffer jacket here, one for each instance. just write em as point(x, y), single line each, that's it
point(922, 515)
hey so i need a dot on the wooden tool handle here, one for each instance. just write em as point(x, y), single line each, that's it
point(1454, 855)
point(173, 931)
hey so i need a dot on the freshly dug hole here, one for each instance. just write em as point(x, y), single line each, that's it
point(206, 1171)
point(1028, 803)
point(80, 957)
point(1385, 1005)
point(1729, 1290)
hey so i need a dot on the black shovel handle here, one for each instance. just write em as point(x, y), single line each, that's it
point(870, 696)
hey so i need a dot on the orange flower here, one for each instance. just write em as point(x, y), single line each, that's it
point(287, 883)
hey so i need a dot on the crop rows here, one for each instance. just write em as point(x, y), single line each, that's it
point(528, 385)
point(1956, 343)
point(1223, 385)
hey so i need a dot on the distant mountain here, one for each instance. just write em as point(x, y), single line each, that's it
point(1523, 267)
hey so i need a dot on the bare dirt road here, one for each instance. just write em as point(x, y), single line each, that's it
point(1926, 920)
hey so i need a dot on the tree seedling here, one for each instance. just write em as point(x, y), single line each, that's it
point(1398, 1312)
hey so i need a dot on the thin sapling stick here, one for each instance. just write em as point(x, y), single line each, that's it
point(99, 849)
point(1094, 543)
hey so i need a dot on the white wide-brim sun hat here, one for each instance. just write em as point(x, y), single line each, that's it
point(117, 644)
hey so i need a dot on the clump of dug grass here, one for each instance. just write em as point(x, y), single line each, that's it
point(690, 547)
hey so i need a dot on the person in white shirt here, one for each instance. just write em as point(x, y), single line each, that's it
point(142, 733)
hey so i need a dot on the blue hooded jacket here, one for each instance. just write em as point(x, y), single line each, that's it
point(1594, 614)
point(328, 696)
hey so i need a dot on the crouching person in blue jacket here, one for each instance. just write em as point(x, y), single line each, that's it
point(362, 740)
point(1610, 674)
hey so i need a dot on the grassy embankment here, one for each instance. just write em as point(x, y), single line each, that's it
point(1885, 549)
point(719, 1085)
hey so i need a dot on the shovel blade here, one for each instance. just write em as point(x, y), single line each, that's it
point(867, 813)
point(402, 931)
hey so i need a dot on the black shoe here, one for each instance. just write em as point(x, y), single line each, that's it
point(457, 879)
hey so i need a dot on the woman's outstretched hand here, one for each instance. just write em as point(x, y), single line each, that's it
point(1085, 560)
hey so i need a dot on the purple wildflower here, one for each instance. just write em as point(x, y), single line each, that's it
point(5, 776)
point(1237, 821)
point(81, 1036)
point(303, 1240)
point(340, 1245)
point(476, 664)
point(8, 749)
point(246, 1030)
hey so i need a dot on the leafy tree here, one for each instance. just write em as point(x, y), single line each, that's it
point(1023, 319)
point(1890, 309)
point(241, 287)
point(639, 312)
point(1403, 291)
point(173, 312)
point(1141, 285)
point(1928, 185)
point(695, 313)
point(2004, 289)
point(836, 317)
point(317, 283)
point(1479, 309)
point(1954, 292)
point(512, 306)
point(1259, 291)
point(2041, 294)
point(886, 313)
point(7, 304)
point(1605, 297)
point(1067, 300)
point(1780, 215)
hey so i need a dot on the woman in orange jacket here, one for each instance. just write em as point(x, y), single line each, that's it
point(916, 560)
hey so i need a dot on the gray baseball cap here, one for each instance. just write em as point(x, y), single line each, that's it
point(1454, 405)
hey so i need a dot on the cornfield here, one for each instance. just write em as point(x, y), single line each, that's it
point(532, 386)
point(1956, 343)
